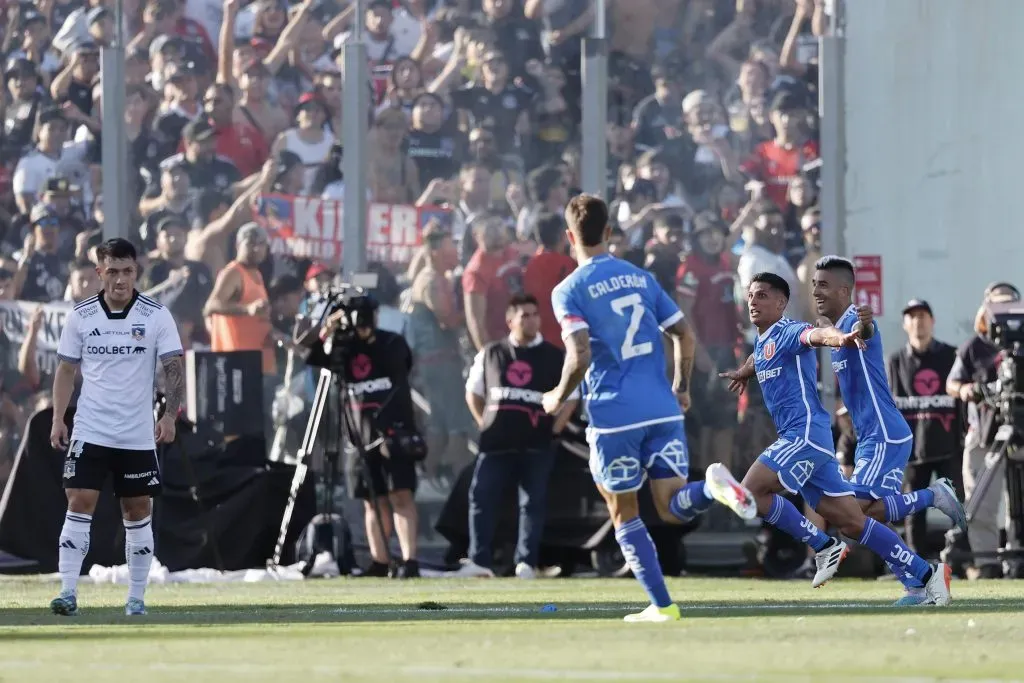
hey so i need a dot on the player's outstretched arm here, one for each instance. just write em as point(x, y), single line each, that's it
point(833, 337)
point(739, 377)
point(577, 360)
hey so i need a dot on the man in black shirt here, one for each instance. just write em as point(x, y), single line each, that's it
point(205, 168)
point(184, 280)
point(660, 111)
point(518, 39)
point(503, 391)
point(436, 148)
point(917, 376)
point(497, 103)
point(22, 82)
point(42, 273)
point(976, 363)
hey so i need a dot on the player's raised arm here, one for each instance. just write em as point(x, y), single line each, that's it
point(831, 336)
point(738, 378)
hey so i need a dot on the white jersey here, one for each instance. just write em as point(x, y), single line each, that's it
point(118, 352)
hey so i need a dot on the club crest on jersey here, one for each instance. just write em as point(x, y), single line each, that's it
point(138, 332)
point(768, 350)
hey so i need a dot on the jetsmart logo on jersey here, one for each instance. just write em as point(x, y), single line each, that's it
point(115, 350)
point(499, 394)
point(372, 386)
point(765, 375)
point(838, 365)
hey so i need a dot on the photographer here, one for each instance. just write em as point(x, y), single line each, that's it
point(376, 366)
point(917, 376)
point(976, 364)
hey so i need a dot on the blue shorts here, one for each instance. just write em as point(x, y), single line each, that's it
point(806, 469)
point(619, 461)
point(878, 468)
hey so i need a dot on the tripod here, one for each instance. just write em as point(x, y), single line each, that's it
point(1006, 446)
point(333, 440)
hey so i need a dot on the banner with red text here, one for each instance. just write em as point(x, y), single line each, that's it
point(313, 228)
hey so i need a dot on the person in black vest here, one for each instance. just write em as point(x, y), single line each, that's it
point(917, 377)
point(377, 368)
point(504, 390)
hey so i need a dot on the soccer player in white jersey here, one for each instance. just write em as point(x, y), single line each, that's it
point(116, 339)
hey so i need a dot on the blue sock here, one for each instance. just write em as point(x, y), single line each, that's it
point(638, 549)
point(785, 517)
point(690, 501)
point(908, 581)
point(884, 542)
point(903, 505)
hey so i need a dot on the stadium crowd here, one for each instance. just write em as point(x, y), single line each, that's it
point(234, 117)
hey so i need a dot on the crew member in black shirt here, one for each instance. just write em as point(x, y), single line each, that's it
point(504, 390)
point(917, 377)
point(377, 364)
point(976, 363)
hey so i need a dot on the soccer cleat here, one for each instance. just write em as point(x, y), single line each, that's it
point(65, 605)
point(525, 571)
point(937, 587)
point(724, 488)
point(913, 597)
point(655, 614)
point(828, 560)
point(134, 608)
point(946, 501)
point(471, 570)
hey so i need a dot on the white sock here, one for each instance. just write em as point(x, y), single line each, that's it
point(72, 549)
point(138, 550)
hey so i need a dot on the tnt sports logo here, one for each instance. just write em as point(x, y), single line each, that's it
point(361, 366)
point(519, 373)
point(138, 332)
point(768, 350)
point(926, 382)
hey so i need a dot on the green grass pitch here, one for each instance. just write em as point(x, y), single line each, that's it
point(494, 630)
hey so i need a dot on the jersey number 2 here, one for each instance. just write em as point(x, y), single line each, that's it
point(635, 305)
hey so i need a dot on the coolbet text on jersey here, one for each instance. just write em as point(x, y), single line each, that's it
point(118, 353)
point(787, 370)
point(884, 439)
point(635, 425)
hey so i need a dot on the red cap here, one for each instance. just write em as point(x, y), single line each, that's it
point(316, 268)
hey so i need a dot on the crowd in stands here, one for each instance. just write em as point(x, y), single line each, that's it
point(233, 115)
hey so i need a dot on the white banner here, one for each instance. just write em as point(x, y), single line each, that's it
point(14, 321)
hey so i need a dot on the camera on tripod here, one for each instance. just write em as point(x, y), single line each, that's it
point(343, 309)
point(1005, 329)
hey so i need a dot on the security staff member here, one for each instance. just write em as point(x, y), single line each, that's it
point(917, 377)
point(377, 364)
point(504, 390)
point(976, 362)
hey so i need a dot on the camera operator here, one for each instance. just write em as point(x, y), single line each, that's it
point(377, 365)
point(976, 363)
point(503, 391)
point(917, 376)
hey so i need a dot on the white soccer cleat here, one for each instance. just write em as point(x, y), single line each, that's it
point(937, 587)
point(724, 488)
point(471, 570)
point(654, 614)
point(828, 561)
point(525, 571)
point(948, 504)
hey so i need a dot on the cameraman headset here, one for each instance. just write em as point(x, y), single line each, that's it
point(976, 363)
point(377, 365)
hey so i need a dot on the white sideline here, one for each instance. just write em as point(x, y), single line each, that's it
point(297, 668)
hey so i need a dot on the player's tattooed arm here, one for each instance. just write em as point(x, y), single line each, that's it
point(577, 360)
point(174, 380)
point(684, 348)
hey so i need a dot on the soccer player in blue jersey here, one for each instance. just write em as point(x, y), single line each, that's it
point(884, 440)
point(802, 459)
point(612, 316)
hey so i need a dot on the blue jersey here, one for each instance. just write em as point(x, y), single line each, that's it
point(787, 370)
point(865, 389)
point(625, 309)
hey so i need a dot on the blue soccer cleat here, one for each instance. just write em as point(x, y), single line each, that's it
point(134, 608)
point(65, 605)
point(947, 502)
